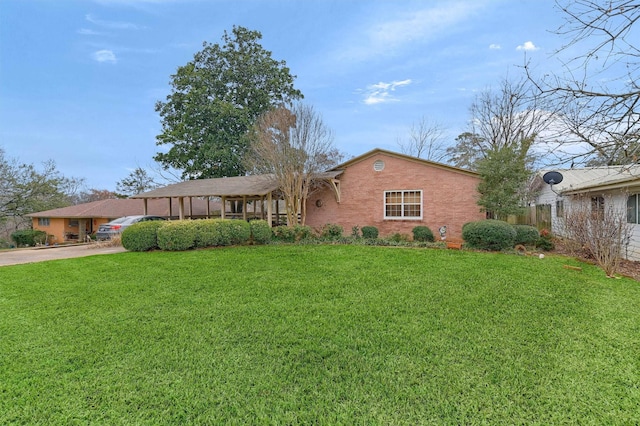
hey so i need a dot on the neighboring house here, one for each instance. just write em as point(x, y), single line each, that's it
point(391, 191)
point(612, 189)
point(74, 223)
point(395, 193)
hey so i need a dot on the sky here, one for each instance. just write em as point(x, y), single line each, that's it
point(79, 79)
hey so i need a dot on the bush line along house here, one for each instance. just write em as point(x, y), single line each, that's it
point(611, 190)
point(391, 191)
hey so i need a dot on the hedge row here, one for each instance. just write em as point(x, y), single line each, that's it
point(496, 235)
point(187, 234)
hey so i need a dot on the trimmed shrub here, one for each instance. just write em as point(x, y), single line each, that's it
point(526, 235)
point(177, 235)
point(141, 236)
point(234, 232)
point(260, 231)
point(29, 237)
point(489, 234)
point(369, 232)
point(332, 231)
point(207, 233)
point(423, 233)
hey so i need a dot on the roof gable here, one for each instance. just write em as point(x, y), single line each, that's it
point(405, 157)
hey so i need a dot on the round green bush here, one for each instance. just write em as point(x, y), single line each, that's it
point(141, 236)
point(489, 234)
point(177, 235)
point(526, 235)
point(29, 237)
point(260, 231)
point(423, 233)
point(369, 232)
point(207, 233)
point(235, 232)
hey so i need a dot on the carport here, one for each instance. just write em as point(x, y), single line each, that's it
point(235, 193)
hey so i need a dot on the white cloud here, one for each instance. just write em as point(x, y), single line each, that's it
point(105, 56)
point(528, 45)
point(494, 46)
point(391, 31)
point(86, 31)
point(381, 92)
point(115, 25)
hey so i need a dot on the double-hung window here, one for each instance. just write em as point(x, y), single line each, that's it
point(44, 221)
point(403, 204)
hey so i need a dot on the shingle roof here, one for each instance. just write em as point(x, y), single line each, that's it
point(596, 178)
point(254, 185)
point(114, 208)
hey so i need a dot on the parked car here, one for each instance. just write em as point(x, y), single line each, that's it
point(116, 226)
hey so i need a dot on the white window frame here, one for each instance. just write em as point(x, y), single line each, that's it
point(402, 205)
point(44, 221)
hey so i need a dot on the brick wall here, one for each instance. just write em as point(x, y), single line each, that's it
point(449, 197)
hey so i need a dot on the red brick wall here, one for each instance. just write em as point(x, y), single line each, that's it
point(449, 197)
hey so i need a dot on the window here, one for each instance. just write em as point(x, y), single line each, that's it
point(597, 206)
point(559, 208)
point(632, 209)
point(73, 223)
point(403, 204)
point(44, 221)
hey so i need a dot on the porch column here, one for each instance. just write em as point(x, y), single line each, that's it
point(269, 209)
point(181, 208)
point(82, 231)
point(223, 208)
point(144, 207)
point(244, 207)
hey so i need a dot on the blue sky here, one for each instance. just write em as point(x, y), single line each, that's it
point(79, 79)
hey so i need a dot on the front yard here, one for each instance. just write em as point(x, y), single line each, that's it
point(317, 334)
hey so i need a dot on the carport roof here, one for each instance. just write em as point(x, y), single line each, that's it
point(238, 186)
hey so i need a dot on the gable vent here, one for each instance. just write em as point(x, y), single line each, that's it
point(378, 166)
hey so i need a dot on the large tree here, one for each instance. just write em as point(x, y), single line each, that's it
point(510, 117)
point(214, 101)
point(137, 182)
point(503, 189)
point(25, 189)
point(598, 87)
point(426, 140)
point(294, 145)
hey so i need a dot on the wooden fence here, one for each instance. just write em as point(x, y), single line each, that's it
point(538, 216)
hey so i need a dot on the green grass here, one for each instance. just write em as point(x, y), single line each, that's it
point(317, 335)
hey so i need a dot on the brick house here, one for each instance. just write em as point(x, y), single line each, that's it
point(395, 193)
point(391, 191)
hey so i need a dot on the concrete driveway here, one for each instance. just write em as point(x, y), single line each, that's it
point(40, 254)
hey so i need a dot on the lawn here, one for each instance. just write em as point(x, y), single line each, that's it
point(317, 335)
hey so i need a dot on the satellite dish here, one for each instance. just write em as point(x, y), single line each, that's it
point(552, 178)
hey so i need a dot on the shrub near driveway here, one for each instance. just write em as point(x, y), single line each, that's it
point(141, 236)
